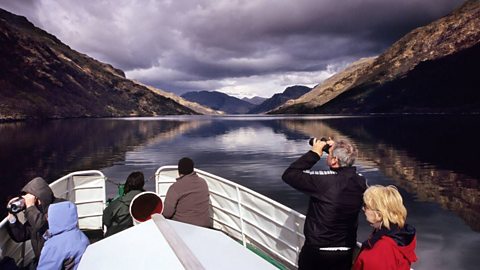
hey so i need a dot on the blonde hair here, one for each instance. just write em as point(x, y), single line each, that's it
point(388, 202)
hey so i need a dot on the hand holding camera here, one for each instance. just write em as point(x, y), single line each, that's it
point(21, 203)
point(30, 200)
point(326, 146)
point(322, 144)
point(16, 205)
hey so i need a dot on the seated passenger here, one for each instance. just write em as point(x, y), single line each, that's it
point(65, 243)
point(187, 200)
point(117, 214)
point(392, 243)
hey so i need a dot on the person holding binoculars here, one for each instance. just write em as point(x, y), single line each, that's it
point(34, 202)
point(335, 202)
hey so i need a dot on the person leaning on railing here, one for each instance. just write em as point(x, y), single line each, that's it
point(391, 246)
point(335, 202)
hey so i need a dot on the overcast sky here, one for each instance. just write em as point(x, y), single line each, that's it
point(239, 47)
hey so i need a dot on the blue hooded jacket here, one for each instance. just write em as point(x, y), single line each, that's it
point(65, 242)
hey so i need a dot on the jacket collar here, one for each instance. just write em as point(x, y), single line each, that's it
point(346, 170)
point(402, 236)
point(183, 176)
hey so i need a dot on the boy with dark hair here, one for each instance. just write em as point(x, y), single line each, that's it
point(188, 200)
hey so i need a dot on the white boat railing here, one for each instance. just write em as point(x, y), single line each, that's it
point(87, 190)
point(247, 216)
point(84, 188)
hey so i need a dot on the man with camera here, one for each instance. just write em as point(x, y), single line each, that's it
point(36, 198)
point(335, 201)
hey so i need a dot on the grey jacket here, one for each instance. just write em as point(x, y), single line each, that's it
point(36, 223)
point(187, 200)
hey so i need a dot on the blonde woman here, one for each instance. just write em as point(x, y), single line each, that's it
point(392, 242)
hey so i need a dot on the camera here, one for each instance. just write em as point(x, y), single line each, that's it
point(323, 139)
point(16, 206)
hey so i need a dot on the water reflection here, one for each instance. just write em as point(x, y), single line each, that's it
point(432, 160)
point(54, 148)
point(416, 160)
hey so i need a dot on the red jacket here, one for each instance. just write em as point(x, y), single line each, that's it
point(386, 254)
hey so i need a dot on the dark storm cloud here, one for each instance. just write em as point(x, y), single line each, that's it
point(25, 8)
point(188, 45)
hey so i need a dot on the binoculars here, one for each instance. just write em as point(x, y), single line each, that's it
point(323, 139)
point(16, 206)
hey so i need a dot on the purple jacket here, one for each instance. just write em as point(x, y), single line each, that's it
point(65, 243)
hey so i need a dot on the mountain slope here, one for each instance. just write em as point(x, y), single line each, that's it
point(328, 90)
point(431, 69)
point(43, 78)
point(446, 85)
point(276, 100)
point(219, 101)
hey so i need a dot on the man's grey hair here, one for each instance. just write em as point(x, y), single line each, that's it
point(345, 152)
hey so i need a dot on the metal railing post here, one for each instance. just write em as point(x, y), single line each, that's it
point(240, 214)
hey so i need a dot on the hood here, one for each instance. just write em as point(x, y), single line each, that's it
point(40, 189)
point(127, 198)
point(406, 241)
point(62, 217)
point(404, 238)
point(408, 251)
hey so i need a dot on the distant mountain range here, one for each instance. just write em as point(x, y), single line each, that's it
point(40, 77)
point(432, 69)
point(232, 105)
point(254, 100)
point(276, 100)
point(219, 101)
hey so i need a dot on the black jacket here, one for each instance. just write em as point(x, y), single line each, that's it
point(36, 220)
point(335, 201)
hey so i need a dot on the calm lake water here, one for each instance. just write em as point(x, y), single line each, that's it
point(432, 159)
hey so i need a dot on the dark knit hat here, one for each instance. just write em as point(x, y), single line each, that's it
point(185, 166)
